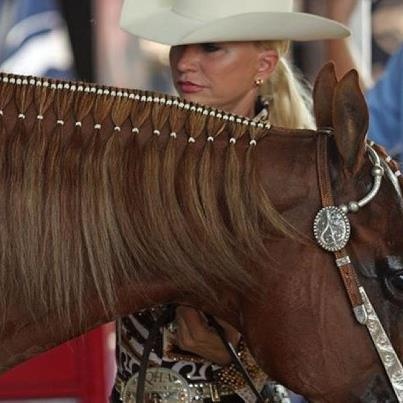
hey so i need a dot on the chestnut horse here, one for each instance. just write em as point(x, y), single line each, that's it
point(113, 201)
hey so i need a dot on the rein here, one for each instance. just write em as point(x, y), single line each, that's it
point(332, 231)
point(235, 359)
point(166, 316)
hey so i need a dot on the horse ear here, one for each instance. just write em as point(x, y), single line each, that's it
point(323, 92)
point(350, 121)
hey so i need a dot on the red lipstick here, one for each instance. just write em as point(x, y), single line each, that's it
point(188, 87)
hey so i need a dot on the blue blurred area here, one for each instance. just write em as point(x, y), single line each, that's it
point(34, 39)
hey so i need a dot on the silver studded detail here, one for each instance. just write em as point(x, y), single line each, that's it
point(343, 261)
point(378, 171)
point(353, 207)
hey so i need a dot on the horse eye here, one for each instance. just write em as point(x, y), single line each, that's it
point(390, 272)
point(397, 281)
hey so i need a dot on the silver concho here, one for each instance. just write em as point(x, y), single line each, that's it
point(332, 229)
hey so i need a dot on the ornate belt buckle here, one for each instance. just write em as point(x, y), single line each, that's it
point(162, 385)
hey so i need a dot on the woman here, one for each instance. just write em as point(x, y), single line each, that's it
point(227, 54)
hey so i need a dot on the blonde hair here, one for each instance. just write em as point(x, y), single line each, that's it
point(289, 98)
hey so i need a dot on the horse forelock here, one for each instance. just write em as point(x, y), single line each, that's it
point(102, 186)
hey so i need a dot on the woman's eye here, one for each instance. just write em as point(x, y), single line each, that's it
point(210, 47)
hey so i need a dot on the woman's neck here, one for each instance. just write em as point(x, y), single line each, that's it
point(244, 106)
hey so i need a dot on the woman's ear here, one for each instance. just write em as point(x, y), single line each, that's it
point(267, 63)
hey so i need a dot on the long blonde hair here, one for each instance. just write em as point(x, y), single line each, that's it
point(289, 99)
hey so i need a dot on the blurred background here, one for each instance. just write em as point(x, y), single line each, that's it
point(81, 40)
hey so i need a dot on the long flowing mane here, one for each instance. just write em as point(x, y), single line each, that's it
point(106, 185)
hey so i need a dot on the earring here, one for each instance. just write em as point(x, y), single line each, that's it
point(259, 82)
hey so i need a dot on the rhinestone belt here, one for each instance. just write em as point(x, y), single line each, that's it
point(199, 391)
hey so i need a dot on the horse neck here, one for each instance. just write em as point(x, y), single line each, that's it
point(24, 337)
point(89, 209)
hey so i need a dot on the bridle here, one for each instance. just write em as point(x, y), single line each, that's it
point(332, 232)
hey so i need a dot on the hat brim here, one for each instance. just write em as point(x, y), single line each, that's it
point(166, 27)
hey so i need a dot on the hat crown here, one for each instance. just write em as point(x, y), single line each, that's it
point(212, 9)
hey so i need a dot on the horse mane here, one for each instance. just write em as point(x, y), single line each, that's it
point(102, 186)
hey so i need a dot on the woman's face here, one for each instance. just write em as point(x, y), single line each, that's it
point(221, 75)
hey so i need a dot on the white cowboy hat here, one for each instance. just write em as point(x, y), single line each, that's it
point(179, 22)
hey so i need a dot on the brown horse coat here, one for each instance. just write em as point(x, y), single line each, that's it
point(111, 203)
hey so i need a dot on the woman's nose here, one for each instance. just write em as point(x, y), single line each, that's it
point(187, 58)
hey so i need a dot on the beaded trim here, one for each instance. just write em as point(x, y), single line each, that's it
point(90, 89)
point(170, 102)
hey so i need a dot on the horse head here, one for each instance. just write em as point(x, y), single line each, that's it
point(312, 342)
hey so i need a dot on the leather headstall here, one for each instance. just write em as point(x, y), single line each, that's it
point(332, 232)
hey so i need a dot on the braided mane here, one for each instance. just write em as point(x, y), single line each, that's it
point(102, 186)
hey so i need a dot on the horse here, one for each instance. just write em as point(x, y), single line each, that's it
point(115, 200)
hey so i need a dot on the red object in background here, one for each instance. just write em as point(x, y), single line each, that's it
point(81, 369)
